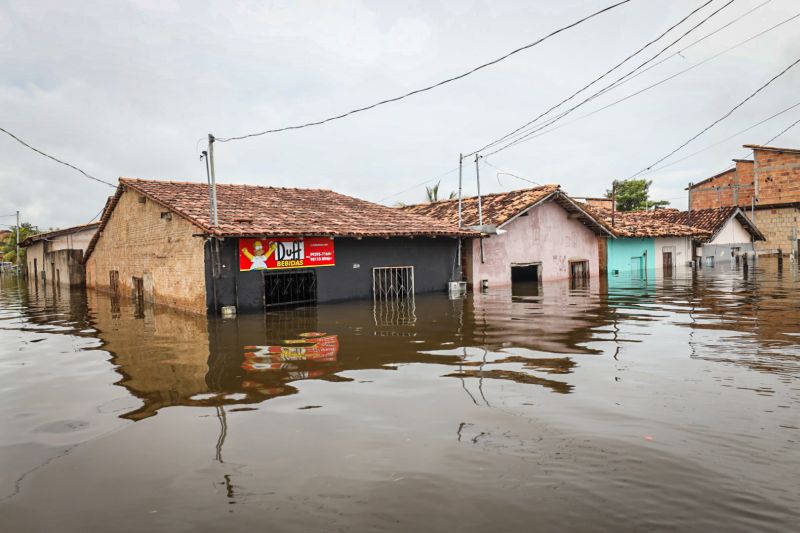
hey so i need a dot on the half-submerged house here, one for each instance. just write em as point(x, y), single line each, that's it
point(271, 247)
point(537, 234)
point(648, 244)
point(731, 233)
point(56, 257)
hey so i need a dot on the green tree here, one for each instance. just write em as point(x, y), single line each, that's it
point(8, 247)
point(634, 195)
point(433, 193)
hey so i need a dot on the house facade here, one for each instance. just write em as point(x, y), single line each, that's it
point(731, 233)
point(648, 244)
point(532, 235)
point(767, 188)
point(271, 247)
point(57, 256)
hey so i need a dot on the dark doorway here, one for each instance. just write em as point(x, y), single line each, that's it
point(667, 263)
point(35, 271)
point(113, 281)
point(578, 270)
point(138, 296)
point(288, 288)
point(526, 273)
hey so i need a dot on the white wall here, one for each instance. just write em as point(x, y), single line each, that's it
point(682, 252)
point(732, 233)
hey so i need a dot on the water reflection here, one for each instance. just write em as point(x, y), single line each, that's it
point(503, 398)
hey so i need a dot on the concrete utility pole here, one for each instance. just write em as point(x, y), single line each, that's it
point(213, 185)
point(689, 207)
point(460, 169)
point(478, 179)
point(613, 203)
point(17, 242)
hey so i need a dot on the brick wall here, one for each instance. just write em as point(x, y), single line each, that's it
point(778, 176)
point(138, 242)
point(776, 225)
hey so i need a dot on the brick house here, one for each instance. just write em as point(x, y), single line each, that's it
point(57, 256)
point(542, 235)
point(767, 187)
point(271, 247)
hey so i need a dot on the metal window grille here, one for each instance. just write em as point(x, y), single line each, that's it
point(287, 288)
point(392, 283)
point(393, 295)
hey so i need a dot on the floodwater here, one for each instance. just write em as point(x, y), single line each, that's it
point(637, 405)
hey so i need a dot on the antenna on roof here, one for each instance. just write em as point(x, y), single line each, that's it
point(212, 181)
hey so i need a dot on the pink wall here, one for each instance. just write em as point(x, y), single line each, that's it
point(546, 235)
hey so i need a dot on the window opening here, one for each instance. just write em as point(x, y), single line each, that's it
point(285, 288)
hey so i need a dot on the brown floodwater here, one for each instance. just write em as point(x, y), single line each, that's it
point(632, 405)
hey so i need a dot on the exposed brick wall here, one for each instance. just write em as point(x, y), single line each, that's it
point(778, 177)
point(138, 242)
point(772, 178)
point(776, 225)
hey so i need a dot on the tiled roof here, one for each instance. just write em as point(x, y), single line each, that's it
point(497, 208)
point(250, 210)
point(644, 224)
point(711, 220)
point(58, 232)
point(500, 208)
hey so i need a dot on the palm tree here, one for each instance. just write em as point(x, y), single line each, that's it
point(433, 193)
point(8, 248)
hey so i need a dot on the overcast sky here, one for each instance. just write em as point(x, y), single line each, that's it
point(128, 88)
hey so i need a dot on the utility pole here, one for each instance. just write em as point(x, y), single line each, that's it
point(689, 208)
point(212, 193)
point(17, 242)
point(478, 179)
point(460, 174)
point(460, 169)
point(613, 202)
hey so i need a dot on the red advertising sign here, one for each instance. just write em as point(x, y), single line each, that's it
point(281, 253)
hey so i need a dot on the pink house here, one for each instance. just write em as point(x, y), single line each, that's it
point(529, 235)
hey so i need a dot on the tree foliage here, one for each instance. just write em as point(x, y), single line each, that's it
point(634, 195)
point(432, 193)
point(8, 247)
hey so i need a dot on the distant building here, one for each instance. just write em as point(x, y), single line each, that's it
point(271, 247)
point(731, 232)
point(767, 188)
point(537, 234)
point(648, 244)
point(57, 256)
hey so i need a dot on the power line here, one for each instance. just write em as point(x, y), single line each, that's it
point(435, 85)
point(792, 125)
point(606, 73)
point(723, 117)
point(23, 143)
point(729, 138)
point(420, 184)
point(538, 132)
point(608, 87)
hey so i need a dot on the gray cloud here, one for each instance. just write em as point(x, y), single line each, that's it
point(128, 88)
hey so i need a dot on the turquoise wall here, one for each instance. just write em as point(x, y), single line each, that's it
point(628, 257)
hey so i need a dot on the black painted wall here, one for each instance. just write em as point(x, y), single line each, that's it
point(432, 259)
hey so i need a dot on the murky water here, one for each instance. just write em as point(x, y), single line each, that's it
point(639, 405)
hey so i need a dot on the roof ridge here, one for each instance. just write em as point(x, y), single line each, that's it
point(124, 179)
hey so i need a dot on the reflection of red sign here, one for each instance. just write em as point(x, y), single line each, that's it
point(315, 347)
point(280, 253)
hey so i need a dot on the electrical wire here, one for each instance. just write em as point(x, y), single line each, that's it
point(541, 131)
point(23, 143)
point(728, 139)
point(433, 86)
point(723, 117)
point(420, 184)
point(507, 173)
point(605, 89)
point(606, 73)
point(792, 125)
